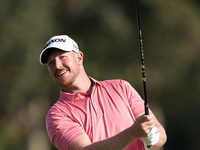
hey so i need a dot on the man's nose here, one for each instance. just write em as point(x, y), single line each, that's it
point(58, 64)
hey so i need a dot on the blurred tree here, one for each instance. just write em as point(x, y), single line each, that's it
point(23, 29)
point(106, 32)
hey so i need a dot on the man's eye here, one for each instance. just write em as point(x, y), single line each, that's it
point(50, 63)
point(62, 57)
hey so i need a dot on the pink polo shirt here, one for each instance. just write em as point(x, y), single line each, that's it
point(111, 108)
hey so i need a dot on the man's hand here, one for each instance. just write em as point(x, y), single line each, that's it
point(143, 125)
point(149, 130)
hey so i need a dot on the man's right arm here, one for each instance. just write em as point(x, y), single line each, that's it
point(117, 142)
point(139, 129)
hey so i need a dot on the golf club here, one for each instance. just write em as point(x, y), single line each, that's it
point(146, 105)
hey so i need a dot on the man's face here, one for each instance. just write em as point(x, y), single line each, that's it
point(63, 67)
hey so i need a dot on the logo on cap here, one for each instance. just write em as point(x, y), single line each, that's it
point(54, 40)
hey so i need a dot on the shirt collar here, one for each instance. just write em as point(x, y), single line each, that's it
point(73, 96)
point(94, 82)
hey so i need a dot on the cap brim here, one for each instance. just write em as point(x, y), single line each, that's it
point(44, 54)
point(46, 51)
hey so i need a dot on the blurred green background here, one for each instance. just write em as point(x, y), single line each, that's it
point(106, 32)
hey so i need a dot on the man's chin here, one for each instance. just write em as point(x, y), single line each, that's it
point(65, 84)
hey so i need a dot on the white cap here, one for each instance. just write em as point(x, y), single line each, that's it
point(62, 42)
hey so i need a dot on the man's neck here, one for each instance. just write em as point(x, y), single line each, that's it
point(83, 86)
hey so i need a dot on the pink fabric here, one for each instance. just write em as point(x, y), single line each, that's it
point(111, 108)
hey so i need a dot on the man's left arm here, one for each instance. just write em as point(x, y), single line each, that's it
point(137, 106)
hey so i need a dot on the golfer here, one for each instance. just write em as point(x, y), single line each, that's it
point(91, 114)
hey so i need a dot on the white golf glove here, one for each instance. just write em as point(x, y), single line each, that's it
point(152, 137)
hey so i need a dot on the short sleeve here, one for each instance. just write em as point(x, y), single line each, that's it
point(134, 99)
point(62, 128)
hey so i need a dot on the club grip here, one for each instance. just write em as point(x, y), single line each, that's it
point(147, 113)
point(146, 108)
point(149, 146)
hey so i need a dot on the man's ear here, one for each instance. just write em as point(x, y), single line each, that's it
point(80, 57)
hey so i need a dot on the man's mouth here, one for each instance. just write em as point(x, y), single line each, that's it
point(60, 74)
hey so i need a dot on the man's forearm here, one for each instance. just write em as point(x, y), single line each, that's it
point(117, 142)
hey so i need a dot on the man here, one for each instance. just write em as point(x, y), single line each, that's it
point(91, 114)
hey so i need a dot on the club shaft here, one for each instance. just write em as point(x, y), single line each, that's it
point(142, 59)
point(146, 105)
